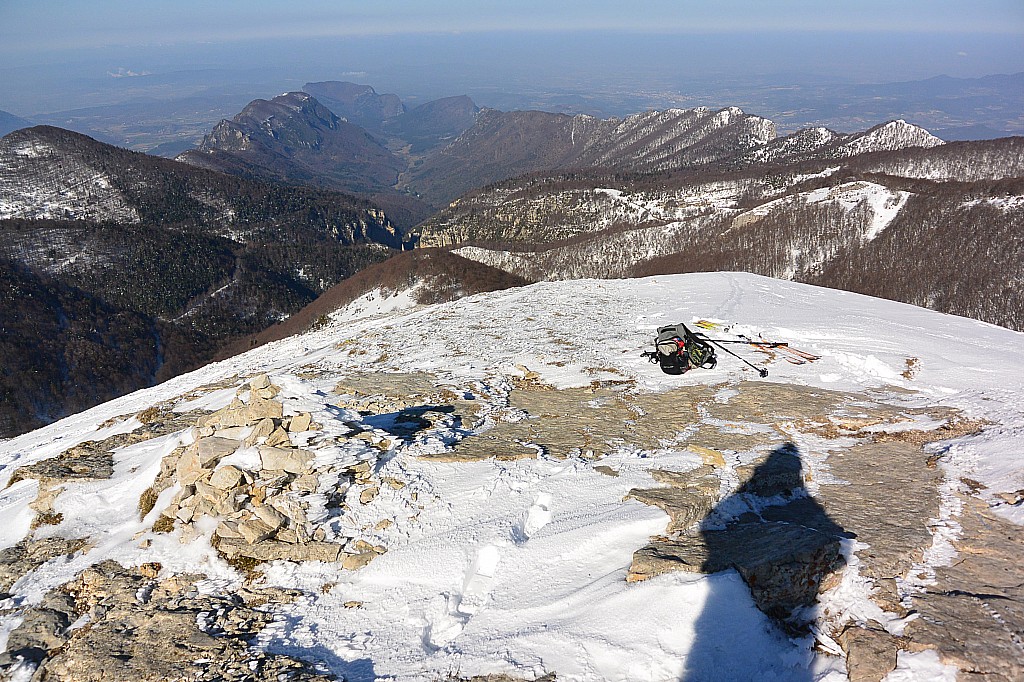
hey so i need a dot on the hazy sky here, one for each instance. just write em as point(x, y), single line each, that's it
point(33, 25)
point(63, 54)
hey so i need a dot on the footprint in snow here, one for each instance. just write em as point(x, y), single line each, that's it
point(447, 615)
point(536, 517)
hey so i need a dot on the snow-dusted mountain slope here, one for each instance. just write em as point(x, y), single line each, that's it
point(866, 223)
point(822, 143)
point(121, 269)
point(506, 144)
point(472, 479)
point(39, 180)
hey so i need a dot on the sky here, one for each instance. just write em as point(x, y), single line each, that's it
point(35, 25)
point(59, 55)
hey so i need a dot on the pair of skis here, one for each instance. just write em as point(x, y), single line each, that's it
point(772, 349)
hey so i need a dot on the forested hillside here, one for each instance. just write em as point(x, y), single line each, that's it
point(945, 235)
point(121, 269)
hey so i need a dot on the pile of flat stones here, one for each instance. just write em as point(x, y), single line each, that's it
point(244, 471)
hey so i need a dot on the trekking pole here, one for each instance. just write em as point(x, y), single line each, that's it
point(760, 370)
point(750, 342)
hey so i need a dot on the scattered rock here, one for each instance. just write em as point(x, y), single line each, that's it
point(368, 495)
point(227, 478)
point(255, 530)
point(263, 428)
point(211, 450)
point(870, 653)
point(278, 438)
point(282, 459)
point(1014, 498)
point(270, 516)
point(353, 562)
point(300, 422)
point(147, 630)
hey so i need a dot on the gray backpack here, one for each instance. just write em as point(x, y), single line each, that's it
point(677, 350)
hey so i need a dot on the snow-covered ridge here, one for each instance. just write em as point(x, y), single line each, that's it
point(889, 137)
point(883, 203)
point(529, 557)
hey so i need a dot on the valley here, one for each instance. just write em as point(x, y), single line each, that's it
point(892, 211)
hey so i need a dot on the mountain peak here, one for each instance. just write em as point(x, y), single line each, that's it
point(295, 138)
point(360, 104)
point(890, 136)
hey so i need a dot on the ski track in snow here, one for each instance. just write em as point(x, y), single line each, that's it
point(519, 566)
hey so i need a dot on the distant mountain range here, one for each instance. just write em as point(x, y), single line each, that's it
point(170, 113)
point(295, 138)
point(9, 123)
point(507, 144)
point(121, 269)
point(178, 261)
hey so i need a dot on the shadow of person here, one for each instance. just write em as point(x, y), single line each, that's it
point(782, 544)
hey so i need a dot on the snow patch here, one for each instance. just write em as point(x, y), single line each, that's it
point(924, 666)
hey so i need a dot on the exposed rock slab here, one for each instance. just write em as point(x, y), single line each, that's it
point(272, 550)
point(783, 564)
point(29, 554)
point(591, 421)
point(690, 498)
point(892, 496)
point(974, 615)
point(787, 552)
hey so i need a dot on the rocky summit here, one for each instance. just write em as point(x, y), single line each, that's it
point(401, 495)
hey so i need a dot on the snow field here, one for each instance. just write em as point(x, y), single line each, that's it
point(520, 566)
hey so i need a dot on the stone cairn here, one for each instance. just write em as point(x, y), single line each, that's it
point(259, 504)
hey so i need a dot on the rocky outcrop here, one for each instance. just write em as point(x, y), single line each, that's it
point(30, 554)
point(782, 540)
point(784, 562)
point(91, 460)
point(116, 623)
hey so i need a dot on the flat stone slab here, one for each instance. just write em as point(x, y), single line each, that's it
point(684, 507)
point(782, 563)
point(891, 497)
point(974, 615)
point(272, 550)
